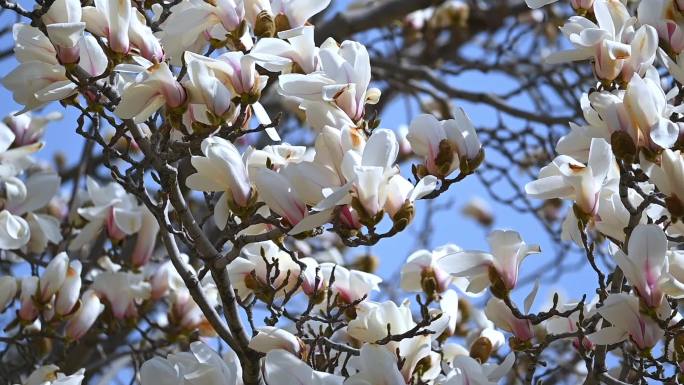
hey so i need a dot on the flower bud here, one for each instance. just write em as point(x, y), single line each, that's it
point(53, 277)
point(68, 294)
point(85, 317)
point(8, 290)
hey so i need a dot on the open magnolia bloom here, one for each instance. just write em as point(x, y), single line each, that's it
point(27, 128)
point(222, 169)
point(502, 316)
point(569, 179)
point(669, 178)
point(646, 266)
point(627, 321)
point(342, 81)
point(123, 291)
point(192, 24)
point(153, 87)
point(113, 209)
point(298, 54)
point(612, 42)
point(423, 271)
point(377, 366)
point(19, 226)
point(349, 285)
point(40, 78)
point(280, 15)
point(446, 145)
point(263, 269)
point(282, 368)
point(65, 28)
point(201, 365)
point(467, 370)
point(50, 375)
point(498, 269)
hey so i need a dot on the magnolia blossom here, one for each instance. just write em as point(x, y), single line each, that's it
point(612, 42)
point(40, 78)
point(282, 368)
point(342, 83)
point(193, 23)
point(270, 338)
point(423, 271)
point(374, 319)
point(70, 290)
point(508, 252)
point(123, 291)
point(8, 290)
point(222, 169)
point(28, 311)
point(445, 145)
point(201, 365)
point(298, 54)
point(279, 195)
point(65, 28)
point(497, 311)
point(53, 277)
point(113, 209)
point(250, 273)
point(285, 14)
point(378, 367)
point(622, 311)
point(349, 285)
point(568, 178)
point(146, 239)
point(152, 88)
point(86, 315)
point(646, 265)
point(467, 370)
point(215, 82)
point(669, 178)
point(27, 128)
point(562, 325)
point(50, 375)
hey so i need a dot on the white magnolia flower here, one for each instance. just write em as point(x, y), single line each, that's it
point(508, 252)
point(298, 54)
point(86, 315)
point(70, 290)
point(270, 338)
point(201, 365)
point(423, 269)
point(502, 316)
point(374, 319)
point(279, 194)
point(612, 42)
point(53, 277)
point(152, 88)
point(378, 366)
point(250, 273)
point(349, 285)
point(646, 265)
point(27, 128)
point(40, 78)
point(50, 375)
point(8, 291)
point(569, 179)
point(215, 82)
point(123, 291)
point(65, 28)
point(445, 145)
point(192, 23)
point(113, 209)
point(342, 83)
point(146, 239)
point(669, 178)
point(295, 12)
point(222, 169)
point(467, 370)
point(282, 368)
point(622, 311)
point(28, 310)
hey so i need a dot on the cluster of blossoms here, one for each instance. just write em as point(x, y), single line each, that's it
point(177, 95)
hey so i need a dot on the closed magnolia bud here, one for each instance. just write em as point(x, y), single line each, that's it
point(264, 25)
point(367, 263)
point(8, 290)
point(68, 294)
point(85, 317)
point(53, 277)
point(29, 287)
